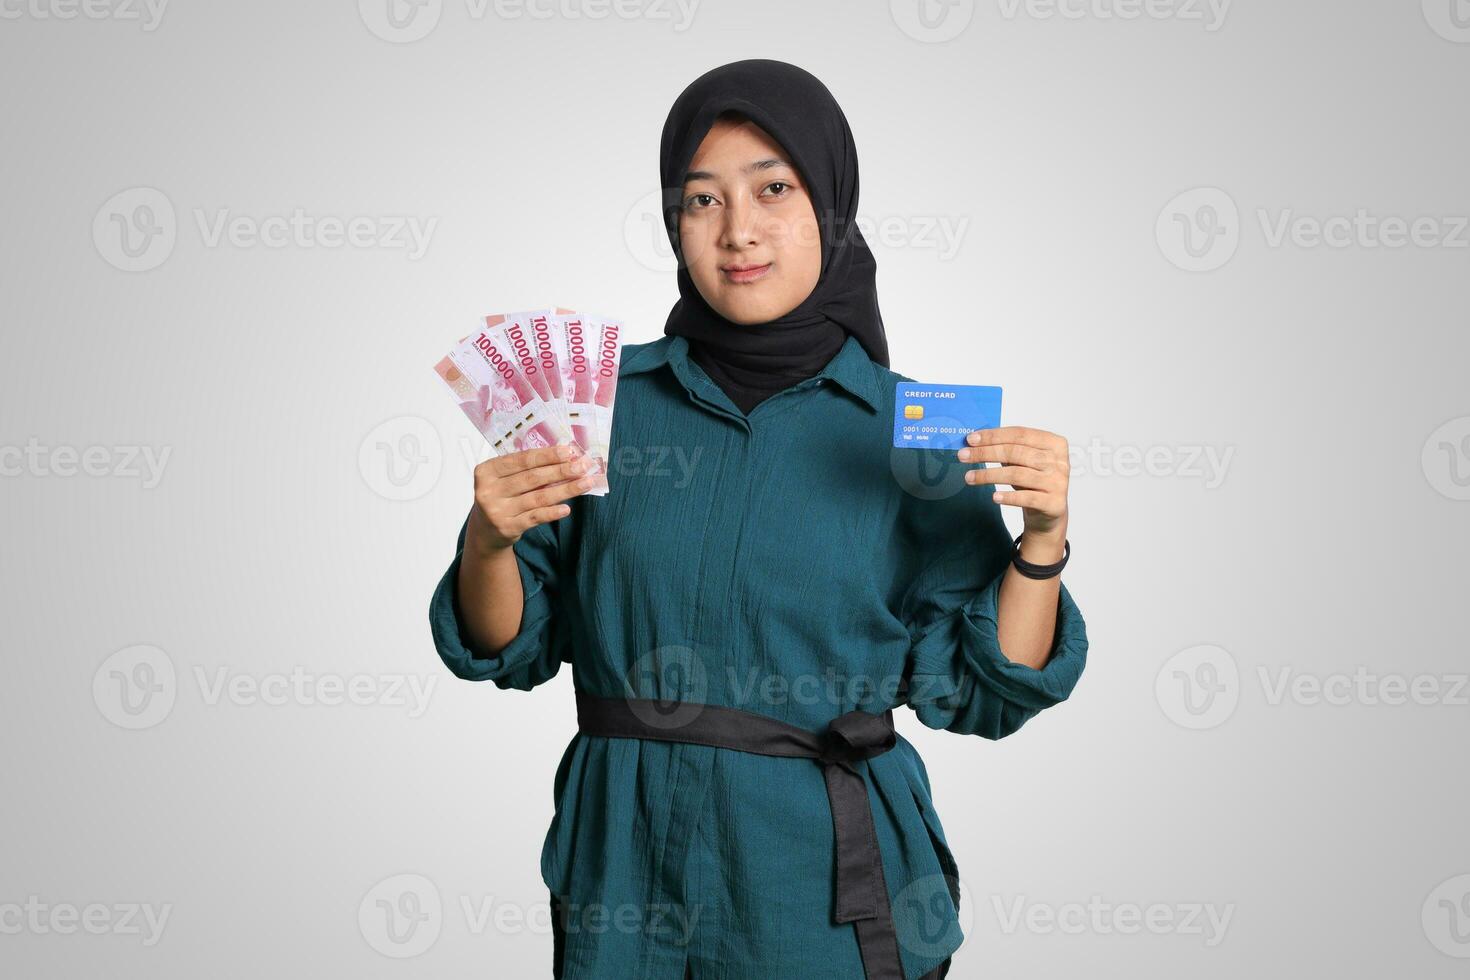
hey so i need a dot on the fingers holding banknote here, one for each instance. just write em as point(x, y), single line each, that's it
point(519, 490)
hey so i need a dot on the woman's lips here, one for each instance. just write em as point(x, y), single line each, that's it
point(749, 273)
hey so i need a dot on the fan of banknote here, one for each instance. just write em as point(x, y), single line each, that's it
point(539, 378)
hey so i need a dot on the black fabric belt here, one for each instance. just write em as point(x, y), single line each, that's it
point(861, 894)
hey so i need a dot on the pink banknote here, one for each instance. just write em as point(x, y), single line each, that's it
point(575, 339)
point(539, 377)
point(606, 358)
point(497, 397)
point(517, 334)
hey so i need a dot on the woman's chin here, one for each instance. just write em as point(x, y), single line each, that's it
point(749, 311)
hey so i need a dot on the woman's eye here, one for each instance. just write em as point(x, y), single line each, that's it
point(778, 183)
point(698, 201)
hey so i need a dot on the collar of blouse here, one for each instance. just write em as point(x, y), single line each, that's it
point(850, 367)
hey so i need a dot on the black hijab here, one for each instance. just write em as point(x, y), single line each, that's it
point(752, 362)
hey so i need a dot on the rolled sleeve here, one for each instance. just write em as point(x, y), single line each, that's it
point(960, 679)
point(541, 645)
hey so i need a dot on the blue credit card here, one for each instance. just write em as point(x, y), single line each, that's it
point(930, 416)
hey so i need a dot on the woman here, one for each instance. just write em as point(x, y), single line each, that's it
point(764, 582)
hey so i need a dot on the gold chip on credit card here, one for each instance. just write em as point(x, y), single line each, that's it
point(913, 411)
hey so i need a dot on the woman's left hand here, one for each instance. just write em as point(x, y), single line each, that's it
point(1036, 463)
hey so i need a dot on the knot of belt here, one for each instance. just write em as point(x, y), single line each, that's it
point(861, 892)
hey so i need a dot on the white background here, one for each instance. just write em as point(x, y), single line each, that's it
point(1036, 169)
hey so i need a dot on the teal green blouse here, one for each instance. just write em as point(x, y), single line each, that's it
point(788, 562)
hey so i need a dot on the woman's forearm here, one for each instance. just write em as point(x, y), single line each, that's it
point(1026, 615)
point(489, 590)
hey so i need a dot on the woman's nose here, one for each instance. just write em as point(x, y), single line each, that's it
point(739, 230)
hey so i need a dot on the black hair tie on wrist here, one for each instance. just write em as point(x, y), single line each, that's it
point(1033, 570)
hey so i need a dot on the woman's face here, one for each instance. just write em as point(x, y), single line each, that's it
point(747, 229)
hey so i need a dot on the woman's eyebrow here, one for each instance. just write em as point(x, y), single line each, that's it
point(748, 168)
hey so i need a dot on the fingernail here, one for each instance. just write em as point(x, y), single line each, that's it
point(565, 452)
point(965, 455)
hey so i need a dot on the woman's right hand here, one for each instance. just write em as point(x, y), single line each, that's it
point(519, 490)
